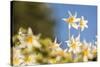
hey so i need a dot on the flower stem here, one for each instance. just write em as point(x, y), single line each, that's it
point(69, 31)
point(79, 33)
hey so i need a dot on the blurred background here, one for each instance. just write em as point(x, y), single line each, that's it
point(38, 16)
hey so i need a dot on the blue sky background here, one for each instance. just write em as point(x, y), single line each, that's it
point(61, 11)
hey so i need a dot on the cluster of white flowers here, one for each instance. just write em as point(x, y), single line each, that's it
point(23, 47)
point(74, 44)
point(75, 22)
point(87, 51)
point(30, 49)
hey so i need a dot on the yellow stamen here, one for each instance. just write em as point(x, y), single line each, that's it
point(73, 45)
point(81, 23)
point(70, 20)
point(29, 39)
point(85, 52)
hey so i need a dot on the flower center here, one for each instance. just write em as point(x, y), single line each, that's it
point(73, 45)
point(85, 52)
point(81, 23)
point(29, 39)
point(70, 20)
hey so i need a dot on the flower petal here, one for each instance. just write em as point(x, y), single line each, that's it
point(75, 26)
point(30, 31)
point(75, 14)
point(70, 14)
point(77, 20)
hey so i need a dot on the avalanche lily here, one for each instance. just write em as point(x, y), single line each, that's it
point(29, 60)
point(74, 45)
point(71, 20)
point(17, 61)
point(32, 40)
point(83, 23)
point(56, 46)
point(86, 51)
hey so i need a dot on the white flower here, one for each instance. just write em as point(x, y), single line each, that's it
point(56, 46)
point(83, 23)
point(21, 31)
point(32, 40)
point(86, 51)
point(17, 57)
point(94, 50)
point(29, 60)
point(17, 61)
point(71, 20)
point(74, 45)
point(66, 50)
point(17, 52)
point(28, 40)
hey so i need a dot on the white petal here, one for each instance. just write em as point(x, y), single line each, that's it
point(55, 41)
point(58, 58)
point(70, 14)
point(58, 49)
point(86, 21)
point(90, 44)
point(69, 26)
point(60, 43)
point(38, 36)
point(86, 26)
point(64, 19)
point(66, 50)
point(78, 50)
point(85, 42)
point(82, 17)
point(78, 38)
point(68, 43)
point(30, 31)
point(75, 26)
point(82, 29)
point(22, 45)
point(90, 56)
point(70, 49)
point(74, 51)
point(75, 14)
point(77, 20)
point(85, 58)
point(72, 37)
point(36, 44)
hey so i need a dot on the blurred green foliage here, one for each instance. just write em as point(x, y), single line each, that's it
point(38, 16)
